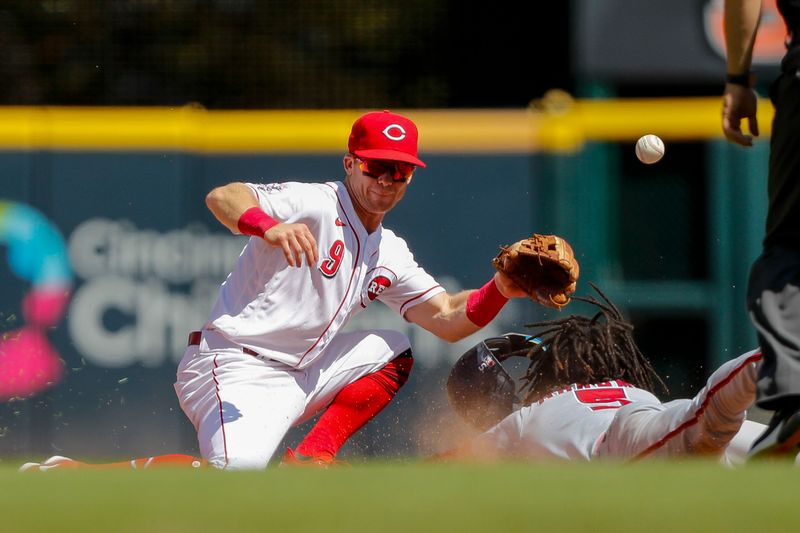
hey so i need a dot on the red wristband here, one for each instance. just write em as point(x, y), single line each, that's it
point(255, 222)
point(484, 304)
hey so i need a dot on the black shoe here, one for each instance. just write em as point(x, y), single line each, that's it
point(782, 436)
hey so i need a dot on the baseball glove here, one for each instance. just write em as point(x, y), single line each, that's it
point(543, 266)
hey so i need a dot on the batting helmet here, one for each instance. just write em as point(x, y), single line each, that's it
point(480, 390)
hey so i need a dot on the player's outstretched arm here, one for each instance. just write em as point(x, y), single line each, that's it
point(236, 207)
point(452, 317)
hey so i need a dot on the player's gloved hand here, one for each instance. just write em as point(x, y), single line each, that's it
point(507, 287)
point(542, 266)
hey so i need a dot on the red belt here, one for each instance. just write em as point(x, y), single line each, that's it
point(195, 336)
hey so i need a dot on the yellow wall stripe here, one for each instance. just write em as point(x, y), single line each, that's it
point(561, 128)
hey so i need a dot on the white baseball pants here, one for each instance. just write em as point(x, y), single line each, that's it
point(242, 406)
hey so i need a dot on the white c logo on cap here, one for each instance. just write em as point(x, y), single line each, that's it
point(394, 136)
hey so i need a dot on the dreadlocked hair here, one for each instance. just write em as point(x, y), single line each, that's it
point(583, 350)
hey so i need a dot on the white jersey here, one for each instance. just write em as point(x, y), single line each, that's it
point(290, 314)
point(617, 420)
point(565, 424)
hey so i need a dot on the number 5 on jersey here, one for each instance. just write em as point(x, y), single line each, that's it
point(605, 398)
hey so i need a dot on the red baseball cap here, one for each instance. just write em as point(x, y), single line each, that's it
point(385, 135)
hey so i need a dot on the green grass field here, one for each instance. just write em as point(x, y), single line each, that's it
point(647, 497)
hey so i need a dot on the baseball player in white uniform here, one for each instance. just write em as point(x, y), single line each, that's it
point(272, 353)
point(589, 398)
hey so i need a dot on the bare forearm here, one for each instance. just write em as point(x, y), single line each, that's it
point(741, 24)
point(233, 205)
point(452, 323)
point(227, 203)
point(453, 317)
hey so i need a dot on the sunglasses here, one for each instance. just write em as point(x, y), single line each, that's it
point(399, 171)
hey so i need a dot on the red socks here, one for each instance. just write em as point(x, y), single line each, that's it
point(354, 406)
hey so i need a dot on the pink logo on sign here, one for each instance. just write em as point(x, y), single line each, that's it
point(29, 364)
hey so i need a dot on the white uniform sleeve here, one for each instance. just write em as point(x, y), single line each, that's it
point(413, 285)
point(289, 202)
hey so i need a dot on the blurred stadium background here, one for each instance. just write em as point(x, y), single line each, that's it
point(117, 118)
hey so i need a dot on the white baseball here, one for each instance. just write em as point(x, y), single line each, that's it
point(649, 149)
